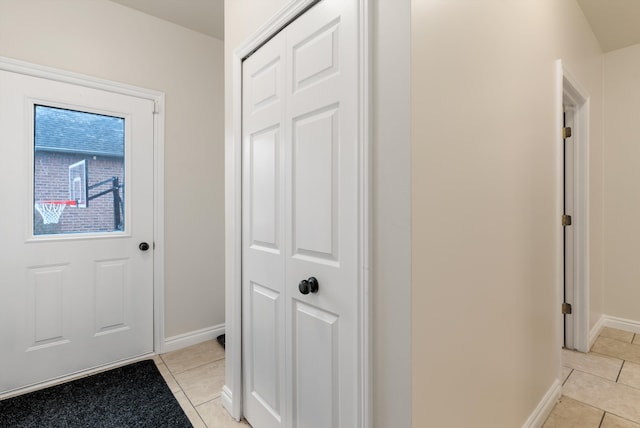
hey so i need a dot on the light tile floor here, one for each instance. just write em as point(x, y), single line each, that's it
point(601, 388)
point(195, 375)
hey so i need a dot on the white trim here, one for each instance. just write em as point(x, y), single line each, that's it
point(180, 341)
point(567, 86)
point(595, 331)
point(365, 184)
point(50, 73)
point(576, 93)
point(621, 324)
point(544, 408)
point(25, 68)
point(233, 203)
point(227, 399)
point(158, 226)
point(233, 245)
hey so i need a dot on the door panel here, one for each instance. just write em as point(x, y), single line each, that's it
point(315, 184)
point(300, 175)
point(265, 323)
point(265, 195)
point(316, 56)
point(46, 316)
point(72, 301)
point(263, 258)
point(315, 385)
point(112, 293)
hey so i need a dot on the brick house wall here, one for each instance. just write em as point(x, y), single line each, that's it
point(51, 182)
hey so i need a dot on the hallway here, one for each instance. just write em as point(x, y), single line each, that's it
point(601, 389)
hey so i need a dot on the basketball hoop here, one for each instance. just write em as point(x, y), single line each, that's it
point(52, 210)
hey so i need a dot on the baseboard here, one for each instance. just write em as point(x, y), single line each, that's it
point(621, 324)
point(180, 341)
point(544, 408)
point(595, 331)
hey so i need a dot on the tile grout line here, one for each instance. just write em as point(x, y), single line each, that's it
point(595, 375)
point(568, 376)
point(194, 367)
point(602, 419)
point(620, 372)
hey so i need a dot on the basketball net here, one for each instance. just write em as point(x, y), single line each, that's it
point(52, 210)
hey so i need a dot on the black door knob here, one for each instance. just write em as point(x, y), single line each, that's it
point(310, 285)
point(143, 246)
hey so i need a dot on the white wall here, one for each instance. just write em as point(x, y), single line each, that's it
point(622, 178)
point(103, 39)
point(391, 176)
point(391, 193)
point(485, 221)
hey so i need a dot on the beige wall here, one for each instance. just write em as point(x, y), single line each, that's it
point(622, 180)
point(484, 217)
point(103, 39)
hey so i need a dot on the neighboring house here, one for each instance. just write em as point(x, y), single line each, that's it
point(64, 138)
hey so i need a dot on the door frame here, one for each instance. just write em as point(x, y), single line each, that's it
point(569, 89)
point(232, 390)
point(158, 98)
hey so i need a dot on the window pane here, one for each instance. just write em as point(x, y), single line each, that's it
point(78, 172)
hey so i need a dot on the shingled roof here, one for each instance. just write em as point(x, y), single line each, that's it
point(69, 131)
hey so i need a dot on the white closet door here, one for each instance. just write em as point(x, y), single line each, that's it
point(300, 220)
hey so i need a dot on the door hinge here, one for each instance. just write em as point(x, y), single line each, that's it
point(566, 308)
point(566, 133)
point(566, 220)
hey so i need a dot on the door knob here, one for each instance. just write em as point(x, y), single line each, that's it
point(310, 285)
point(143, 246)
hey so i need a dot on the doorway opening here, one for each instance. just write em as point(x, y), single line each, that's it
point(574, 147)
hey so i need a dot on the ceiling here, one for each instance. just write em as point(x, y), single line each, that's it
point(616, 23)
point(204, 16)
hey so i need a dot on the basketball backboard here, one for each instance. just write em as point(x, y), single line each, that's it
point(78, 183)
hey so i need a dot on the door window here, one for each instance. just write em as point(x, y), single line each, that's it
point(78, 172)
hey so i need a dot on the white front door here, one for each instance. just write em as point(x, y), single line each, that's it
point(78, 294)
point(300, 224)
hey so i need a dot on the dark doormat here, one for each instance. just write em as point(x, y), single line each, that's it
point(135, 395)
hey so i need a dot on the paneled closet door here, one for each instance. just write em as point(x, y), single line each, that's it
point(300, 224)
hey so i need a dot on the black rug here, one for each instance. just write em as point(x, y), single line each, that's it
point(131, 396)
